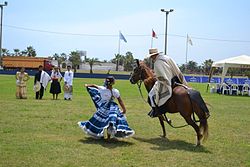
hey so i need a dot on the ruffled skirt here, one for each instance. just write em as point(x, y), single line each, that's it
point(55, 87)
point(108, 113)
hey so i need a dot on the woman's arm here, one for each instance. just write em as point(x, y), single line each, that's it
point(122, 105)
point(27, 77)
point(60, 75)
point(91, 85)
point(17, 76)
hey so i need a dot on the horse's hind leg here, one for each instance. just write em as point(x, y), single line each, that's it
point(161, 118)
point(196, 128)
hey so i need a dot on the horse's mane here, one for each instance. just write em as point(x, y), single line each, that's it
point(148, 70)
point(149, 75)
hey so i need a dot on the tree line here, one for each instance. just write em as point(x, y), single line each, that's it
point(29, 51)
point(126, 61)
point(75, 58)
point(192, 67)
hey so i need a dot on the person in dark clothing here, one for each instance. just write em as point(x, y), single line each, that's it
point(40, 93)
point(42, 78)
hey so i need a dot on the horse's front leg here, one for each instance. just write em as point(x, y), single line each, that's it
point(161, 119)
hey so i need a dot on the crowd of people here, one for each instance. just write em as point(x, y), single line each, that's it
point(41, 81)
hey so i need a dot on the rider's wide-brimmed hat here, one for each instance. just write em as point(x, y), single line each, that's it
point(37, 87)
point(152, 52)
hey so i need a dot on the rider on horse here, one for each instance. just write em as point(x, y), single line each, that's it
point(167, 73)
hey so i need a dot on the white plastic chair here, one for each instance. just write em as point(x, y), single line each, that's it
point(225, 88)
point(217, 86)
point(245, 89)
point(234, 89)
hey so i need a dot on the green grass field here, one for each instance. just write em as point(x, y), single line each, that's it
point(45, 132)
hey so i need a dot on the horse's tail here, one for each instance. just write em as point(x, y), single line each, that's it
point(202, 119)
point(200, 109)
point(204, 127)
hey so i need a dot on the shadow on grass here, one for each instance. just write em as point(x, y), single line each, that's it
point(111, 143)
point(163, 144)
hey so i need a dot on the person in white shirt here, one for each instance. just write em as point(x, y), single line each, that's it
point(68, 83)
point(109, 120)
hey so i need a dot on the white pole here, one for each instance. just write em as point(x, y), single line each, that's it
point(186, 48)
point(119, 42)
point(151, 42)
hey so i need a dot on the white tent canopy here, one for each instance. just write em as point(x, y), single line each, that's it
point(242, 61)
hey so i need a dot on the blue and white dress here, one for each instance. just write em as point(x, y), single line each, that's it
point(107, 112)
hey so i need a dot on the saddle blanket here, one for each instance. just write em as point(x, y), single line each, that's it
point(159, 94)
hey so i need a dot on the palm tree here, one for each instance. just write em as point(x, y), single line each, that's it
point(31, 52)
point(192, 66)
point(118, 60)
point(24, 53)
point(17, 52)
point(55, 56)
point(5, 52)
point(129, 60)
point(183, 68)
point(91, 62)
point(206, 66)
point(75, 58)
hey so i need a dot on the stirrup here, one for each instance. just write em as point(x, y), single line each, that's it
point(151, 113)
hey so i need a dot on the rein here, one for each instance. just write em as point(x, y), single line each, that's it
point(182, 126)
point(139, 87)
point(170, 122)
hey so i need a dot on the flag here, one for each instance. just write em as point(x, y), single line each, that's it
point(189, 40)
point(122, 37)
point(154, 34)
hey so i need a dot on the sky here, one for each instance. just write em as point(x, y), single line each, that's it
point(218, 28)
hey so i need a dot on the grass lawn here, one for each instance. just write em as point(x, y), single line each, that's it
point(45, 132)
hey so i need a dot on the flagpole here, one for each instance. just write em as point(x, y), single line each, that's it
point(151, 42)
point(119, 43)
point(186, 48)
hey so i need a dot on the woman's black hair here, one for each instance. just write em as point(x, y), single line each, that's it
point(110, 80)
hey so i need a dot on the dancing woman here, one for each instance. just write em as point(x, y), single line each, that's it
point(109, 120)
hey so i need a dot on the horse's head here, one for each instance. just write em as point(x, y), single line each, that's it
point(140, 72)
point(136, 74)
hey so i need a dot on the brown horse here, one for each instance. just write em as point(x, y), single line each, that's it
point(180, 102)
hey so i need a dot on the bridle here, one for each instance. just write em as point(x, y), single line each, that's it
point(139, 87)
point(139, 82)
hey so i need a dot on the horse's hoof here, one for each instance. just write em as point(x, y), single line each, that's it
point(201, 136)
point(198, 144)
point(163, 136)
